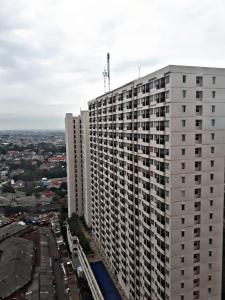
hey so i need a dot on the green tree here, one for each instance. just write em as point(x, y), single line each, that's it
point(8, 189)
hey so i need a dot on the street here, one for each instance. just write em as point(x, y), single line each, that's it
point(58, 273)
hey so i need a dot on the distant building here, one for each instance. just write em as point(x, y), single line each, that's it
point(78, 164)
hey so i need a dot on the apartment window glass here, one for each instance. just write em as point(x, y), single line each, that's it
point(213, 108)
point(211, 176)
point(184, 93)
point(213, 122)
point(212, 163)
point(212, 136)
point(212, 149)
point(211, 202)
point(182, 285)
point(183, 137)
point(184, 108)
point(213, 94)
point(182, 151)
point(182, 272)
point(182, 206)
point(211, 189)
point(182, 165)
point(214, 79)
point(183, 123)
point(184, 77)
point(183, 179)
point(182, 222)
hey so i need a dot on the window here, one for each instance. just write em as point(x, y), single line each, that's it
point(182, 272)
point(211, 176)
point(183, 193)
point(196, 270)
point(182, 246)
point(197, 219)
point(182, 165)
point(182, 233)
point(198, 138)
point(213, 108)
point(183, 123)
point(199, 109)
point(212, 163)
point(209, 277)
point(210, 215)
point(196, 257)
point(196, 282)
point(196, 245)
point(211, 202)
point(210, 253)
point(213, 121)
point(210, 241)
point(182, 206)
point(182, 285)
point(211, 189)
point(184, 93)
point(213, 94)
point(198, 124)
point(198, 193)
point(182, 222)
point(210, 228)
point(198, 152)
point(199, 80)
point(198, 179)
point(182, 259)
point(184, 77)
point(214, 79)
point(197, 206)
point(196, 295)
point(212, 136)
point(199, 95)
point(209, 290)
point(182, 151)
point(183, 179)
point(212, 149)
point(183, 137)
point(184, 108)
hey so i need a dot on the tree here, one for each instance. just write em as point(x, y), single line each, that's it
point(8, 189)
point(63, 186)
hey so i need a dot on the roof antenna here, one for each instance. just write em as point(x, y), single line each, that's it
point(108, 69)
point(105, 75)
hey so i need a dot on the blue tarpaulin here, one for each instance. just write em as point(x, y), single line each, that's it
point(105, 282)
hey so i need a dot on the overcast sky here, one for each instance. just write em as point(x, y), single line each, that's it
point(52, 52)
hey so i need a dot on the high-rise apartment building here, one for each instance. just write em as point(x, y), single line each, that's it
point(78, 164)
point(157, 182)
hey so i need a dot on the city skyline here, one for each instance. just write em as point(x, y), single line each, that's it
point(52, 53)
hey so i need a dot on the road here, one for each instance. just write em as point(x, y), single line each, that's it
point(58, 273)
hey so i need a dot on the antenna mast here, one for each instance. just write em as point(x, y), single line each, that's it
point(108, 69)
point(105, 74)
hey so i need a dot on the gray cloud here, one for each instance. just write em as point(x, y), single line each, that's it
point(52, 52)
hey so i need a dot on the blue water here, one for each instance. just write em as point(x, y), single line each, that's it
point(105, 282)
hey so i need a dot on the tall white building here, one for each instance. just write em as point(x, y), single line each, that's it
point(157, 182)
point(78, 164)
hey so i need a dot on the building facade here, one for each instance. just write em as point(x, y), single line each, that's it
point(157, 182)
point(78, 164)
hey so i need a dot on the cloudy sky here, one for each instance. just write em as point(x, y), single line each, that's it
point(52, 52)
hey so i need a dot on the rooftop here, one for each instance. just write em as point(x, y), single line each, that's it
point(11, 229)
point(15, 265)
